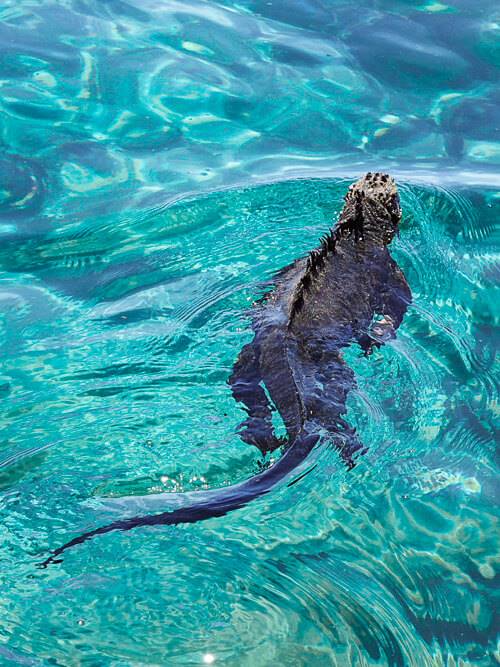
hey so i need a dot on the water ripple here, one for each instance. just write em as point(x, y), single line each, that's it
point(115, 396)
point(160, 161)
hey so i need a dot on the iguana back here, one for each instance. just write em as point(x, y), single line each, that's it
point(319, 305)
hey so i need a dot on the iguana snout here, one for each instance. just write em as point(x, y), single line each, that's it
point(375, 200)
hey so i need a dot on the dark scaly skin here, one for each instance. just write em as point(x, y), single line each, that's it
point(320, 304)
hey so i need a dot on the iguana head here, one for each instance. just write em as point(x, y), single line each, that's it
point(374, 202)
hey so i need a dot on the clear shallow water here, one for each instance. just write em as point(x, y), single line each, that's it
point(126, 267)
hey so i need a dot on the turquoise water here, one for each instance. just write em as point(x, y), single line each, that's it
point(160, 161)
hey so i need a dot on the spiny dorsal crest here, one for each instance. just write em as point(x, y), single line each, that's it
point(381, 188)
point(315, 262)
point(316, 259)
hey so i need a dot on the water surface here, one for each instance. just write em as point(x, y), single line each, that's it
point(160, 162)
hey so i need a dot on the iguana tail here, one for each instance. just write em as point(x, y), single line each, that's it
point(211, 504)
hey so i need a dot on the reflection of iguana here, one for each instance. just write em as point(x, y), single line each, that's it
point(320, 304)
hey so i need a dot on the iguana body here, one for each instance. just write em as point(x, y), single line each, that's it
point(320, 304)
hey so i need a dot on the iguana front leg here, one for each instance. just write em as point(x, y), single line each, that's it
point(378, 334)
point(394, 302)
point(245, 382)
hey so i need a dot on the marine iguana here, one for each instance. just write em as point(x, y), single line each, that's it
point(320, 304)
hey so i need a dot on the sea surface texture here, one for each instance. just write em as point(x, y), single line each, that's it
point(160, 160)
